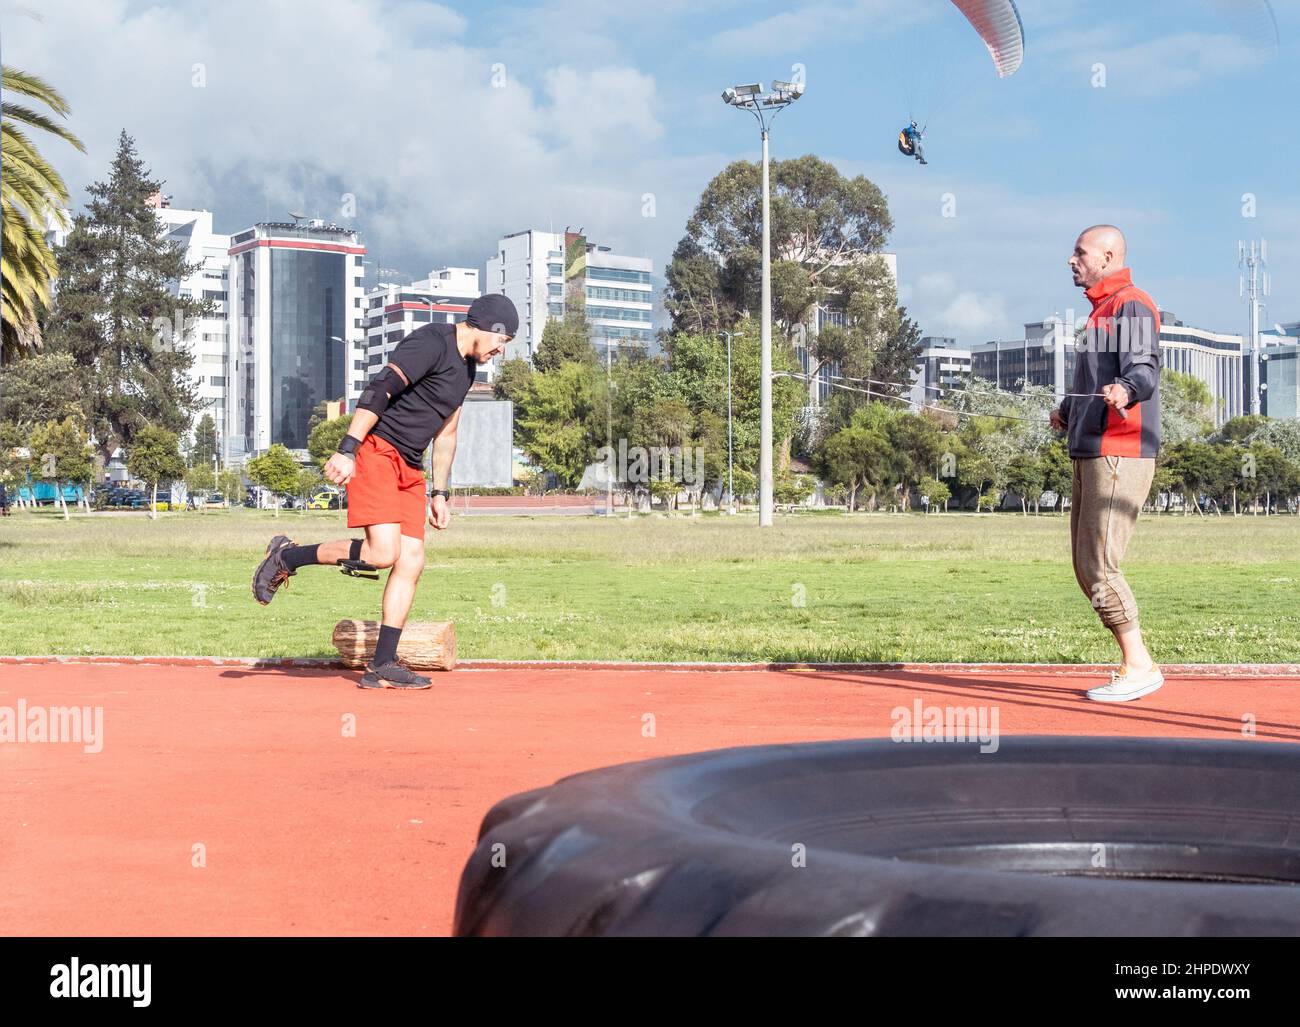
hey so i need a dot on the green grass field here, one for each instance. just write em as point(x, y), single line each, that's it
point(818, 588)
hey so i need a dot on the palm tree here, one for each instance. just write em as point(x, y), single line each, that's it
point(33, 193)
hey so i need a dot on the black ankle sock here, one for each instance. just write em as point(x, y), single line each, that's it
point(354, 551)
point(386, 647)
point(299, 556)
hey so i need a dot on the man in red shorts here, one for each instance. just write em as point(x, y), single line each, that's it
point(414, 400)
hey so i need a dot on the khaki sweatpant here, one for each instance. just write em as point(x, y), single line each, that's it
point(1107, 495)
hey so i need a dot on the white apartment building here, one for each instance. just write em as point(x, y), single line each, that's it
point(58, 223)
point(546, 274)
point(191, 230)
point(942, 365)
point(394, 311)
point(1219, 359)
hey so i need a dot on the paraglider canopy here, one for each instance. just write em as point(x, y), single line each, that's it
point(998, 24)
point(942, 65)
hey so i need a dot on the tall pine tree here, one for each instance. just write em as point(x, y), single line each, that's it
point(117, 311)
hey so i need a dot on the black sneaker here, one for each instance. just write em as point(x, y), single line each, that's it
point(271, 573)
point(392, 675)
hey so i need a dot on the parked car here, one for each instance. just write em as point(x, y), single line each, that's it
point(216, 499)
point(325, 499)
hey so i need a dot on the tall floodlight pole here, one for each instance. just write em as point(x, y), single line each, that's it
point(1252, 286)
point(752, 98)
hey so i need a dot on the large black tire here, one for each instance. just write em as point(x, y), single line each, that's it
point(1046, 836)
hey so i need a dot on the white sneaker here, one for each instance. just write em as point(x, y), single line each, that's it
point(1124, 687)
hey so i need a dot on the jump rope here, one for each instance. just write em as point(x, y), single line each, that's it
point(836, 381)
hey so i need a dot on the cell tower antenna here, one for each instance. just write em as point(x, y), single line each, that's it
point(1253, 286)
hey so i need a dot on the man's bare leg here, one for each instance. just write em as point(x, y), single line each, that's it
point(399, 591)
point(380, 548)
point(384, 670)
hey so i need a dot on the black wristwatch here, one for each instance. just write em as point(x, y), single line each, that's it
point(440, 492)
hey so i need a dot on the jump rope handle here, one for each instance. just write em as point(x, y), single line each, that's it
point(1120, 410)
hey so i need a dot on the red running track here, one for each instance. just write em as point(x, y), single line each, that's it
point(305, 831)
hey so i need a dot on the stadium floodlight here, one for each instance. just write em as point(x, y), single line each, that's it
point(791, 89)
point(738, 93)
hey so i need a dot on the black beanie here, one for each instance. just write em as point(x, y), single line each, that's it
point(493, 313)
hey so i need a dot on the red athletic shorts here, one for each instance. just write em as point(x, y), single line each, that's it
point(386, 490)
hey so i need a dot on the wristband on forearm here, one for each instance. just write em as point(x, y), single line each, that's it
point(439, 492)
point(349, 446)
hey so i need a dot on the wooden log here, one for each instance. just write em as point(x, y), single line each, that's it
point(427, 646)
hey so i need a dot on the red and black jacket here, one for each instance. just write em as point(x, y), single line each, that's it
point(1120, 344)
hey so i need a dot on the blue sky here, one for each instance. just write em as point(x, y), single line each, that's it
point(452, 124)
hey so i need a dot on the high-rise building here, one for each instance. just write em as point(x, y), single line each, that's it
point(394, 311)
point(296, 310)
point(830, 314)
point(941, 365)
point(549, 274)
point(1219, 359)
point(1279, 371)
point(212, 371)
point(1046, 357)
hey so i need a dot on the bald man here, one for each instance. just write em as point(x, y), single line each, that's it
point(1113, 425)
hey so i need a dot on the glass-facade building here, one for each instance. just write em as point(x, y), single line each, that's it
point(308, 307)
point(296, 316)
point(1279, 373)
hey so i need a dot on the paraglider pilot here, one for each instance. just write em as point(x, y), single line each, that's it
point(909, 142)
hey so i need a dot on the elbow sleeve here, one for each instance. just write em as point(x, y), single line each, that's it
point(380, 391)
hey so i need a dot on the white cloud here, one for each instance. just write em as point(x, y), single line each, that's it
point(1001, 261)
point(603, 109)
point(967, 314)
point(306, 101)
point(819, 23)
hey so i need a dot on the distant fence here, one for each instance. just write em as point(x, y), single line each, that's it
point(525, 504)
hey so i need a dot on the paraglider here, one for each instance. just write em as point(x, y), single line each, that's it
point(909, 142)
point(999, 26)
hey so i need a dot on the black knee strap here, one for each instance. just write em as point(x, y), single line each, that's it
point(356, 567)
